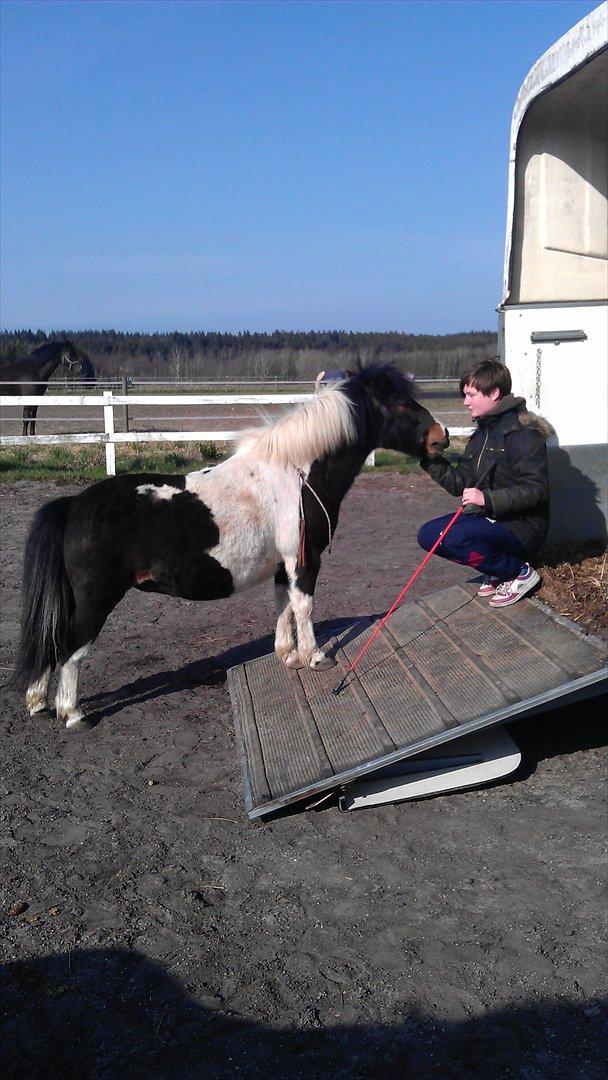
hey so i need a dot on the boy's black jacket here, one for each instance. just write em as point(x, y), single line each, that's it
point(507, 459)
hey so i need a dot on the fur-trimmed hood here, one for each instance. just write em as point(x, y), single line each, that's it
point(529, 419)
point(536, 422)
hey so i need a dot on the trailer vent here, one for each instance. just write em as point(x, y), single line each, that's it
point(556, 336)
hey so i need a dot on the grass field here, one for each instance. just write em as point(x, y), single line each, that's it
point(86, 464)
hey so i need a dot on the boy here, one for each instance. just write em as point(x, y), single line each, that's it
point(503, 482)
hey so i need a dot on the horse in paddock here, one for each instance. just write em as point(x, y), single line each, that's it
point(269, 509)
point(30, 375)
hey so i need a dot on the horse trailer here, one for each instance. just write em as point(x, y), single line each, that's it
point(554, 311)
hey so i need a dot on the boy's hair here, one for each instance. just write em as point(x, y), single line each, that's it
point(486, 376)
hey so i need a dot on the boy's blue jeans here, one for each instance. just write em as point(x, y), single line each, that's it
point(476, 541)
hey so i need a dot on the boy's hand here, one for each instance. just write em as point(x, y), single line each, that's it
point(473, 497)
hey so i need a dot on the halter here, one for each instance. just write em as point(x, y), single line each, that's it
point(302, 548)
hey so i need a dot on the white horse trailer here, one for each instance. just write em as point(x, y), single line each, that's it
point(554, 312)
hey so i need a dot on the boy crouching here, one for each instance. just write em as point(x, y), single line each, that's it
point(503, 482)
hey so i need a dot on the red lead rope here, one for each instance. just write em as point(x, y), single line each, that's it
point(432, 551)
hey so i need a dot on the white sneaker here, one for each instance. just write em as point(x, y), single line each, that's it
point(488, 587)
point(512, 591)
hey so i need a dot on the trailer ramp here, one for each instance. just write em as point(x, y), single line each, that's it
point(443, 667)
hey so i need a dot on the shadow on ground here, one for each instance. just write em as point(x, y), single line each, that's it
point(559, 732)
point(101, 1014)
point(209, 671)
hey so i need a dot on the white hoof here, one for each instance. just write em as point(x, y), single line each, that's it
point(293, 660)
point(75, 720)
point(320, 662)
point(39, 706)
point(36, 694)
point(283, 651)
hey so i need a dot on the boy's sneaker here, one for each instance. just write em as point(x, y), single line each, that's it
point(489, 587)
point(512, 591)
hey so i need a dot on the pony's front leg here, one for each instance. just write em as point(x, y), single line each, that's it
point(284, 639)
point(301, 592)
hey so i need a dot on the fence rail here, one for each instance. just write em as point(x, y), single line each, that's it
point(108, 401)
point(111, 383)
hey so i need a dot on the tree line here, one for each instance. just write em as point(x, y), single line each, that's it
point(289, 355)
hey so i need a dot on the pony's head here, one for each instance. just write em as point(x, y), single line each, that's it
point(386, 408)
point(373, 407)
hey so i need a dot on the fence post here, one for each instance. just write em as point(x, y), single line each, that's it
point(108, 423)
point(125, 390)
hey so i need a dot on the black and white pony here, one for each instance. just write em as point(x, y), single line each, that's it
point(30, 375)
point(270, 509)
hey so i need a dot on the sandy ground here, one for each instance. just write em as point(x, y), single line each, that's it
point(158, 933)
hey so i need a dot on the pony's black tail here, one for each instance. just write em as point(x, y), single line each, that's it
point(48, 600)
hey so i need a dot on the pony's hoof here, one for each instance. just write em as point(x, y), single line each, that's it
point(75, 721)
point(322, 663)
point(292, 660)
point(40, 706)
point(283, 652)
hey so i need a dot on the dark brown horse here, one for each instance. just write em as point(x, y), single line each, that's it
point(31, 375)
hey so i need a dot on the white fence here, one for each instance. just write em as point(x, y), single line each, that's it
point(108, 401)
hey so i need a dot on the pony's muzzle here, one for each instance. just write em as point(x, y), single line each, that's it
point(436, 439)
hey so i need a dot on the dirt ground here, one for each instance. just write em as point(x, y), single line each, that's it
point(149, 929)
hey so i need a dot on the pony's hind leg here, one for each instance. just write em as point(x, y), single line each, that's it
point(284, 639)
point(66, 701)
point(37, 693)
point(90, 613)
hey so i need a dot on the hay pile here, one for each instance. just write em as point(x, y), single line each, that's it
point(574, 583)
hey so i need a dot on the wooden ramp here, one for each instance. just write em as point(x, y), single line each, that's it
point(442, 667)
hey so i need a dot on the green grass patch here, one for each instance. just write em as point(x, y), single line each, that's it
point(393, 461)
point(85, 464)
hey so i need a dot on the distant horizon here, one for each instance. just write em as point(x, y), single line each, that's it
point(282, 354)
point(236, 333)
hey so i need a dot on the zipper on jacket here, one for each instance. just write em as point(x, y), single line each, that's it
point(481, 453)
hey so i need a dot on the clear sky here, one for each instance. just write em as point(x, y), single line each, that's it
point(261, 165)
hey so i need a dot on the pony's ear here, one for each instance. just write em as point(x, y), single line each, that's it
point(392, 384)
point(381, 384)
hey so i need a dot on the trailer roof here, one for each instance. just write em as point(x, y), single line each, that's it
point(572, 51)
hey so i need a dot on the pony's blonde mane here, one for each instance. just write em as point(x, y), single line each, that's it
point(305, 434)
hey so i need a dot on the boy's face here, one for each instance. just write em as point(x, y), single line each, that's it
point(477, 403)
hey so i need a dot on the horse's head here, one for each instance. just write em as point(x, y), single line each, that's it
point(76, 361)
point(396, 419)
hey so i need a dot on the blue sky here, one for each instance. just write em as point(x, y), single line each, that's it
point(254, 165)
